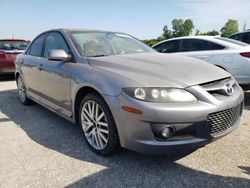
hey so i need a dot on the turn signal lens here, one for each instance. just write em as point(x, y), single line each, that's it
point(131, 110)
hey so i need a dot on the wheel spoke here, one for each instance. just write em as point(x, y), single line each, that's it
point(100, 116)
point(99, 139)
point(96, 140)
point(103, 131)
point(102, 123)
point(90, 134)
point(96, 111)
point(103, 137)
point(93, 110)
point(88, 127)
point(86, 116)
point(89, 110)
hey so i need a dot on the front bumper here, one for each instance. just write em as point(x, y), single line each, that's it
point(136, 131)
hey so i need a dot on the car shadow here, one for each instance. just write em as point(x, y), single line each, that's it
point(247, 100)
point(7, 77)
point(124, 169)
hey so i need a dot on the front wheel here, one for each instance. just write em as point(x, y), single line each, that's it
point(98, 125)
point(22, 92)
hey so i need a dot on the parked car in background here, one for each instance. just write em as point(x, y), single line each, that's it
point(123, 93)
point(9, 48)
point(242, 36)
point(231, 55)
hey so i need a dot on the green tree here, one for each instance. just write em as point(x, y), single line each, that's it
point(210, 33)
point(151, 42)
point(213, 33)
point(182, 28)
point(166, 32)
point(197, 32)
point(229, 28)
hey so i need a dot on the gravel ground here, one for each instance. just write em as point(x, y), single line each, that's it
point(40, 149)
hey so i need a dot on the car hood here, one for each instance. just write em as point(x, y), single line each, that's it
point(160, 70)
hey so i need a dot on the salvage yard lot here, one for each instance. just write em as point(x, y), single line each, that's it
point(40, 149)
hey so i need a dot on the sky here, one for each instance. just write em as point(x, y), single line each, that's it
point(143, 19)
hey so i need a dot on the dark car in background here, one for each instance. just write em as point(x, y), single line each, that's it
point(9, 49)
point(242, 36)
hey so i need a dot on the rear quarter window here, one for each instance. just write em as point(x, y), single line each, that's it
point(215, 46)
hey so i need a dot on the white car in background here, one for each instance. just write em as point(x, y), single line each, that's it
point(229, 54)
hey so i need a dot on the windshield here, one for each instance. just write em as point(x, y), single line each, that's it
point(232, 41)
point(14, 45)
point(94, 44)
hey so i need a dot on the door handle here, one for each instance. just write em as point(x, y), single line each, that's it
point(21, 61)
point(203, 57)
point(40, 67)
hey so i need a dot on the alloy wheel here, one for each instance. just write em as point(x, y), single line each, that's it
point(94, 124)
point(21, 89)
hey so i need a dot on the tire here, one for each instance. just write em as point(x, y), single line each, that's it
point(22, 92)
point(98, 125)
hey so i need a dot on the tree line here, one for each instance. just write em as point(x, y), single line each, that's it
point(182, 28)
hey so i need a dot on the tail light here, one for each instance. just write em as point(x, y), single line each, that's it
point(245, 54)
point(2, 54)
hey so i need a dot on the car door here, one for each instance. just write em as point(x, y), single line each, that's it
point(54, 77)
point(30, 63)
point(196, 48)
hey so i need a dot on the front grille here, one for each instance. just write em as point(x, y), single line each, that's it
point(220, 122)
point(219, 87)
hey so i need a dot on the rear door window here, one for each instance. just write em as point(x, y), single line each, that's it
point(168, 46)
point(189, 45)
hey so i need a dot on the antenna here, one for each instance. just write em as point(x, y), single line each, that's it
point(244, 26)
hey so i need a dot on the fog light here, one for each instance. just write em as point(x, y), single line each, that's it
point(167, 132)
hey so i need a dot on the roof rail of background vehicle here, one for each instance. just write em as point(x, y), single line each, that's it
point(14, 39)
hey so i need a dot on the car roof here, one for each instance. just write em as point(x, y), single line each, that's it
point(195, 37)
point(214, 39)
point(82, 30)
point(247, 31)
point(20, 40)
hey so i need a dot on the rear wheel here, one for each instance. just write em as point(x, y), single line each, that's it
point(22, 92)
point(98, 125)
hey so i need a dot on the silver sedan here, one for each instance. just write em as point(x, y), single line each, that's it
point(124, 94)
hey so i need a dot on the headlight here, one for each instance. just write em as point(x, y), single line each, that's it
point(164, 95)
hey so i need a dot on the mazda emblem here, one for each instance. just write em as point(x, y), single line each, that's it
point(229, 89)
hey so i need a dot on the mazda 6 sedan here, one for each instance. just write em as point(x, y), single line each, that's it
point(124, 94)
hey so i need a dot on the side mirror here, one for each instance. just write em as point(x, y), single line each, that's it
point(58, 55)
